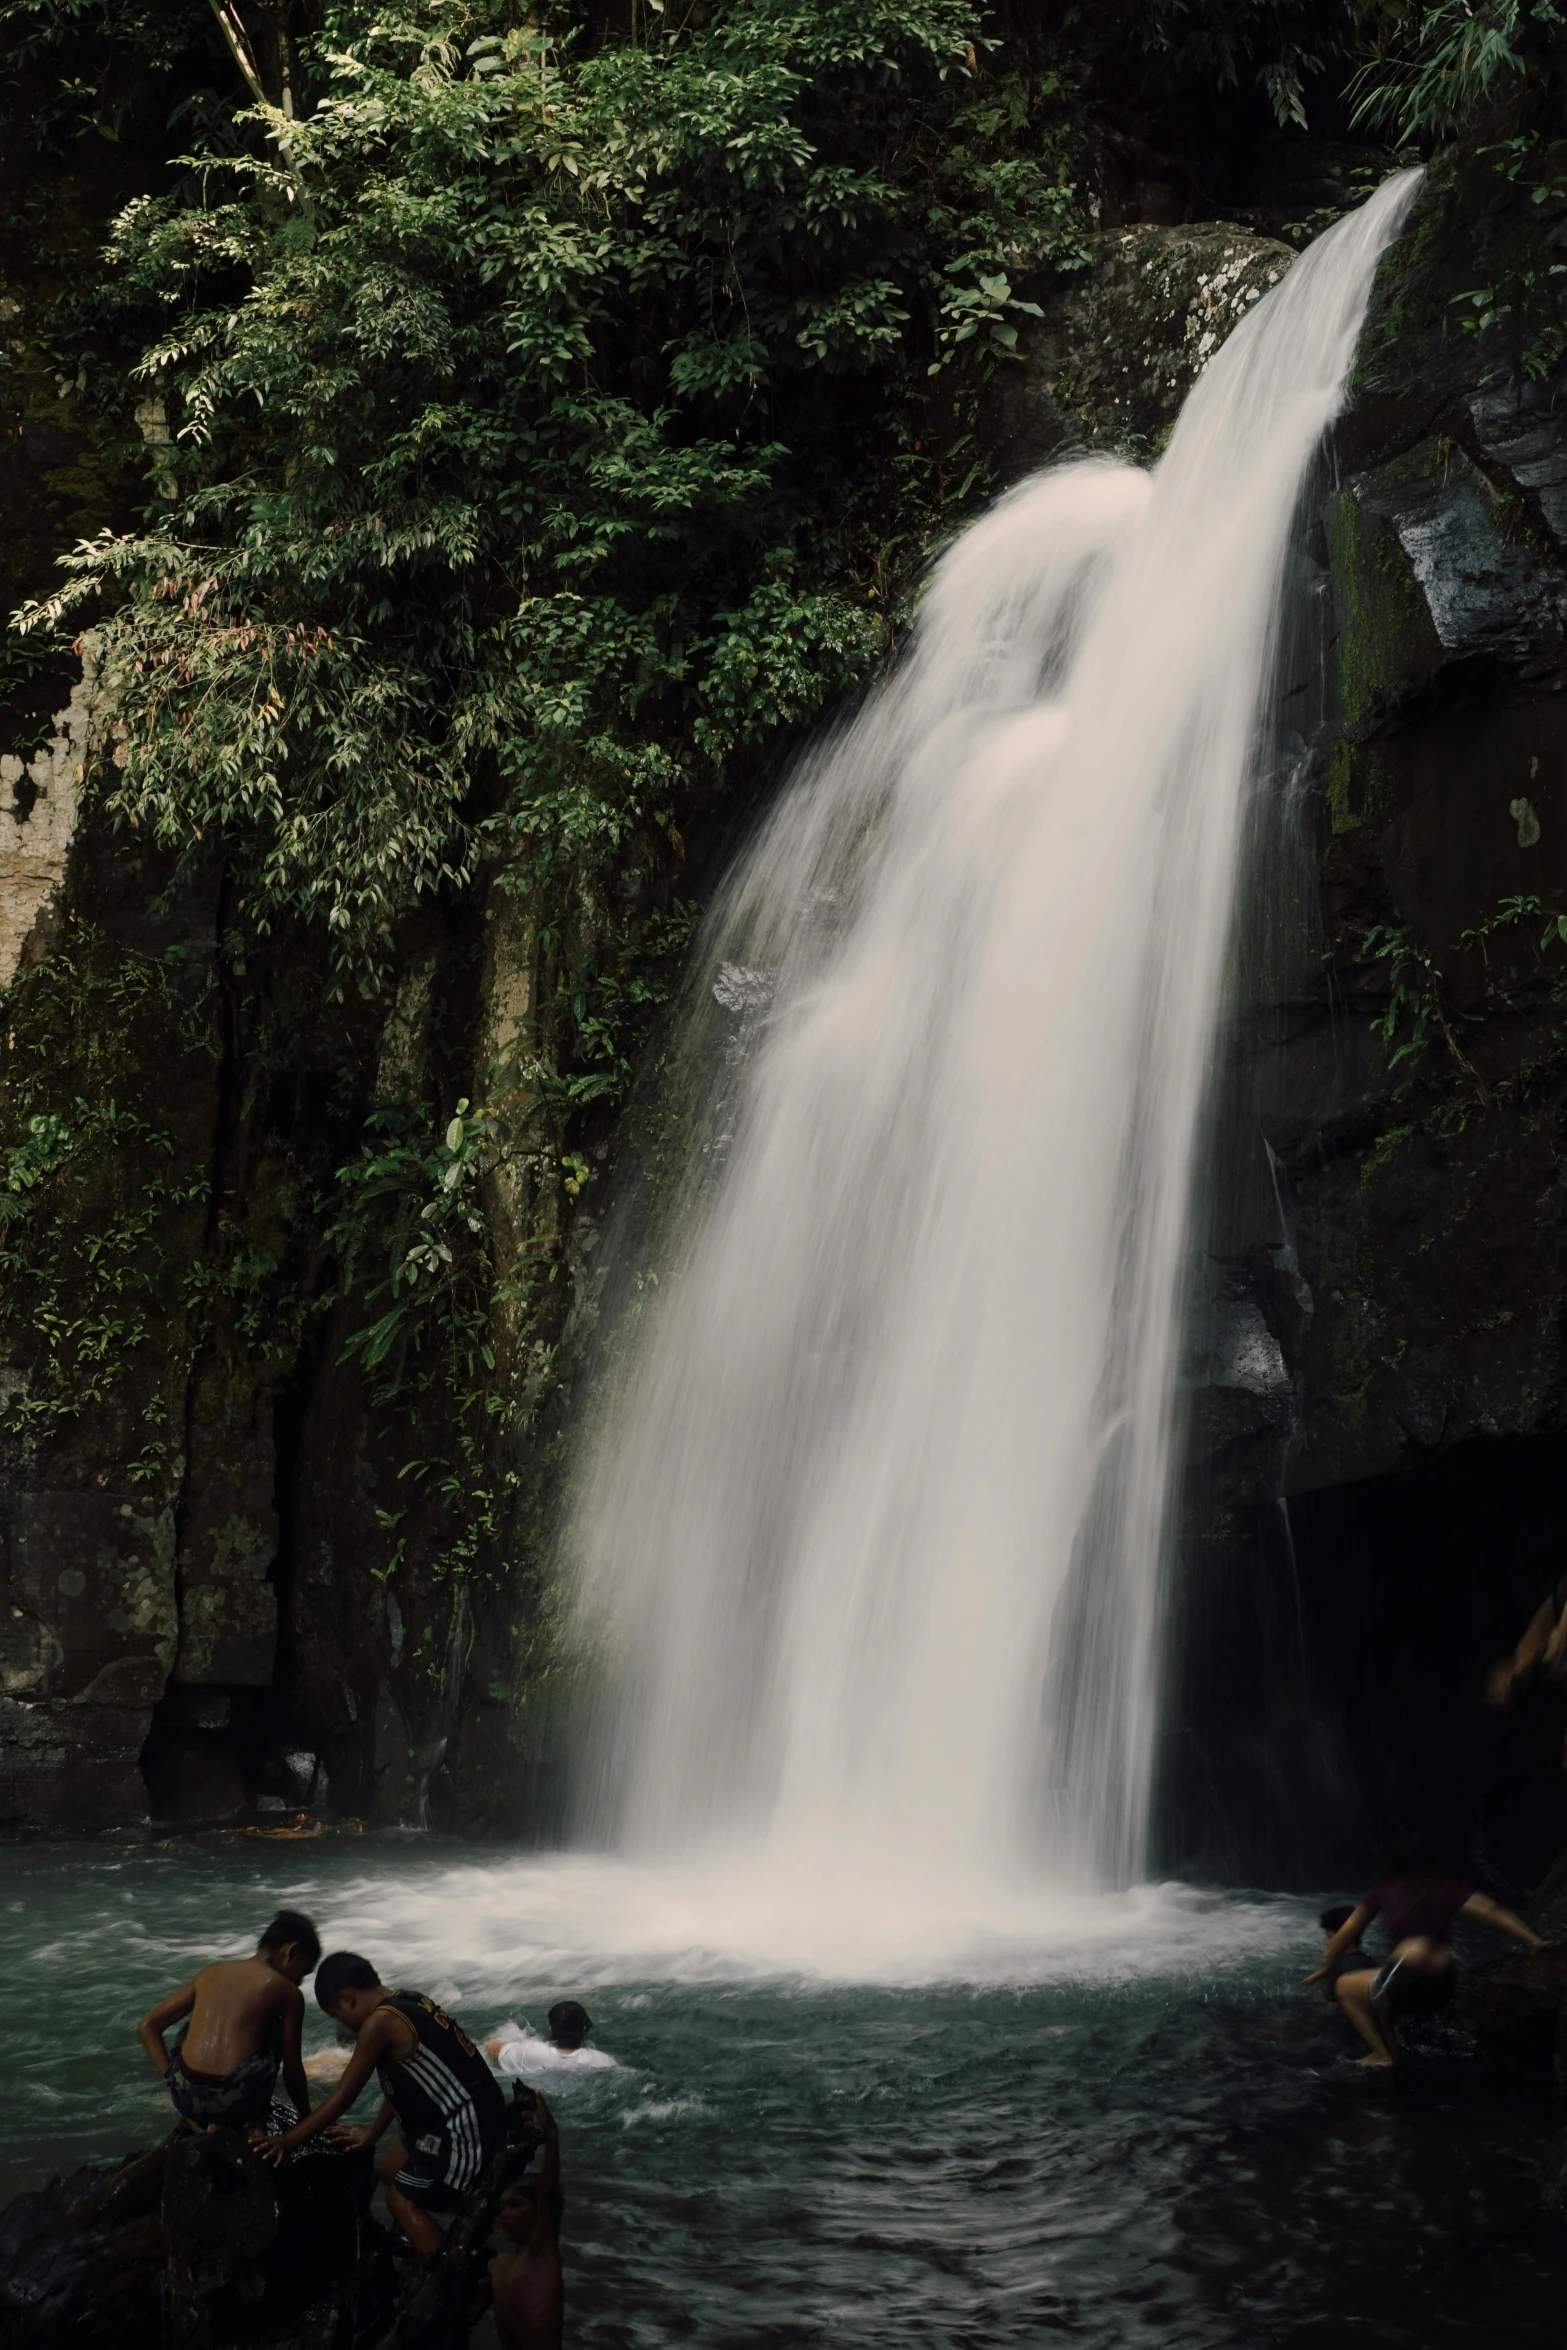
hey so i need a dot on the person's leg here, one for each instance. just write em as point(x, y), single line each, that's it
point(417, 2225)
point(391, 2156)
point(1353, 1993)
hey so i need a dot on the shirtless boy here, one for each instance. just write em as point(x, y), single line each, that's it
point(435, 2085)
point(245, 2016)
point(525, 2283)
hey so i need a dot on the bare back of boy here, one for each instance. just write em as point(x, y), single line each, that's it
point(235, 2003)
point(240, 2009)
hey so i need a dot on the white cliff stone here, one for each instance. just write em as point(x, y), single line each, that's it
point(39, 798)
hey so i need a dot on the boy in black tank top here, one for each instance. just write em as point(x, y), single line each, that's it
point(448, 2106)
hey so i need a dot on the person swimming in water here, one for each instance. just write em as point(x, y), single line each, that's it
point(1348, 1976)
point(524, 2056)
point(1417, 1904)
point(437, 2088)
point(526, 2290)
point(245, 2018)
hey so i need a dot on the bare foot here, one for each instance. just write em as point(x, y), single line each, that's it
point(1379, 2064)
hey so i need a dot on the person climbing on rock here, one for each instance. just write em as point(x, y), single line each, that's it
point(1348, 1975)
point(1416, 1903)
point(447, 2104)
point(245, 2018)
point(526, 2290)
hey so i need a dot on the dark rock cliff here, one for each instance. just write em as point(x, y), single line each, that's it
point(1378, 1421)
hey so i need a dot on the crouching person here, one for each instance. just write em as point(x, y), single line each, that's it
point(442, 2112)
point(245, 2016)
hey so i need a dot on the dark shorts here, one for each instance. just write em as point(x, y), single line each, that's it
point(241, 2096)
point(1348, 1962)
point(1406, 1990)
point(423, 2177)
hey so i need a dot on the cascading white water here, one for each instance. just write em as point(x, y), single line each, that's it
point(871, 1525)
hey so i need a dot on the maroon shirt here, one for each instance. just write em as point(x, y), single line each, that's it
point(1410, 1906)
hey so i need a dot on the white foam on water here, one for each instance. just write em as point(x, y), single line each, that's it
point(576, 1921)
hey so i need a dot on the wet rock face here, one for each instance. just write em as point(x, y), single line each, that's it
point(1365, 1537)
point(88, 1624)
point(1120, 346)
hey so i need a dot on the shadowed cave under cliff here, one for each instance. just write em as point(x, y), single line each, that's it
point(1326, 1693)
point(1324, 1700)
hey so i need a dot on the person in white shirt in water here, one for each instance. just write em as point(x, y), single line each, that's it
point(525, 2056)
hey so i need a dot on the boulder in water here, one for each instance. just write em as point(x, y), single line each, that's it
point(197, 2244)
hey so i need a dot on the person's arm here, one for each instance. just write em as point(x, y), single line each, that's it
point(368, 2050)
point(156, 2022)
point(293, 2059)
point(546, 2218)
point(1349, 1932)
point(351, 2138)
point(1478, 1906)
point(1553, 1657)
point(1531, 1651)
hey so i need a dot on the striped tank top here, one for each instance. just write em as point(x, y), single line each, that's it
point(444, 2092)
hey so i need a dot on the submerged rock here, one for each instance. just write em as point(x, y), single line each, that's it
point(81, 2260)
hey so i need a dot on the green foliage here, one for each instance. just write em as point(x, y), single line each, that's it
point(96, 1190)
point(523, 430)
point(413, 1202)
point(611, 1001)
point(1444, 65)
point(412, 1239)
point(1527, 301)
point(1418, 1019)
point(1190, 49)
point(1414, 1007)
point(765, 666)
point(1490, 76)
point(45, 1145)
point(1511, 914)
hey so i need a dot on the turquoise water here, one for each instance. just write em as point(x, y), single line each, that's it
point(1128, 2127)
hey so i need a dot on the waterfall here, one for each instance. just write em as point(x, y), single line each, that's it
point(871, 1522)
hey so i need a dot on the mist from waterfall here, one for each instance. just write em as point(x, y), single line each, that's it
point(871, 1525)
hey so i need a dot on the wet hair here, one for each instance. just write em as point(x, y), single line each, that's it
point(340, 1971)
point(292, 1925)
point(570, 2023)
point(1337, 1914)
